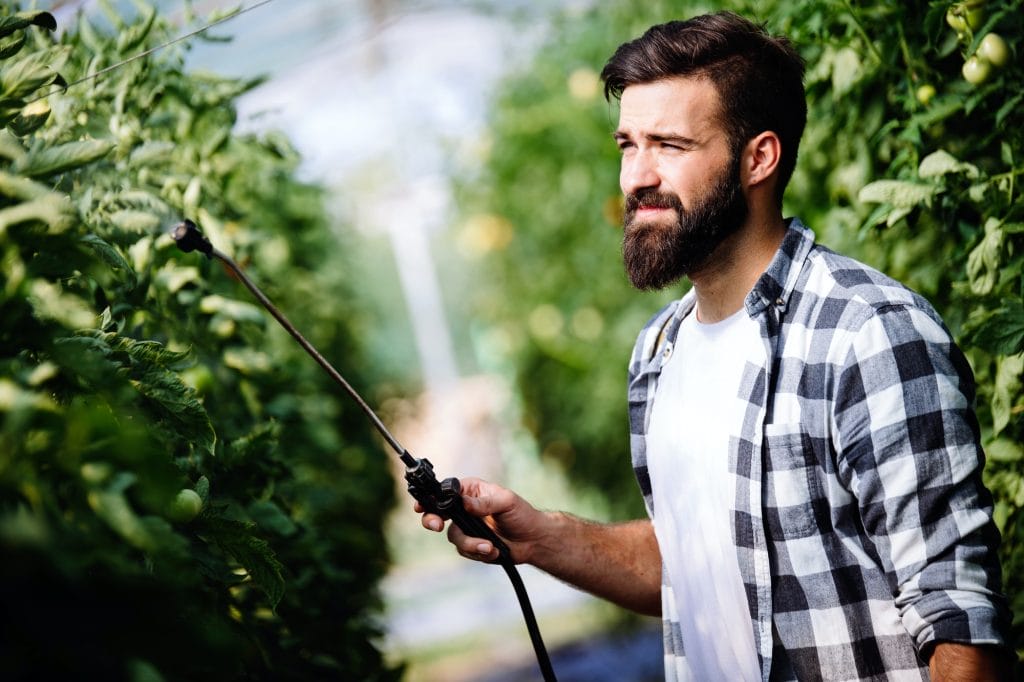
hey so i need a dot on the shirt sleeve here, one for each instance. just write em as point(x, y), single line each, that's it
point(909, 443)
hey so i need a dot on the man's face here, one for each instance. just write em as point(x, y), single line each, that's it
point(680, 179)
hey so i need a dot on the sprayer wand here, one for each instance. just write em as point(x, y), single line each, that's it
point(443, 498)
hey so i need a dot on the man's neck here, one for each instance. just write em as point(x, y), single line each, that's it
point(722, 285)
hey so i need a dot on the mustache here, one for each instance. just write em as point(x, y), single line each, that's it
point(652, 198)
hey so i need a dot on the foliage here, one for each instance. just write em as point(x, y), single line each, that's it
point(904, 164)
point(130, 372)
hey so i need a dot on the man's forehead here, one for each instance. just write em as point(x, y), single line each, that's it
point(678, 104)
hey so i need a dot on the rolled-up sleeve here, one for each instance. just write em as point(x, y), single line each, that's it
point(910, 442)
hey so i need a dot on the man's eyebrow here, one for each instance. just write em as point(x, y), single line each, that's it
point(674, 138)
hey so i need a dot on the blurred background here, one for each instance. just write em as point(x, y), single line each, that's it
point(444, 216)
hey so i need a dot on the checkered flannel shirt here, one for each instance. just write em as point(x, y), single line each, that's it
point(862, 528)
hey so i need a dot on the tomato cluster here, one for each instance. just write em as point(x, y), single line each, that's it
point(993, 52)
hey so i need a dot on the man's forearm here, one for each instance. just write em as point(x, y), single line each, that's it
point(619, 562)
point(952, 662)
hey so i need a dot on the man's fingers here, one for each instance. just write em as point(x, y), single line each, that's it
point(433, 522)
point(471, 548)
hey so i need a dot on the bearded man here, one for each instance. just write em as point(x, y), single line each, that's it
point(801, 425)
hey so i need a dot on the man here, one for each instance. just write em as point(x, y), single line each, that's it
point(801, 424)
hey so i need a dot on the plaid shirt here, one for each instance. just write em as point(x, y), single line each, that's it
point(862, 528)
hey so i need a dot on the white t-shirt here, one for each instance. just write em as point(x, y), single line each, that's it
point(695, 410)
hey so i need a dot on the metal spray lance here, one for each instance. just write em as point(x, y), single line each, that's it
point(443, 498)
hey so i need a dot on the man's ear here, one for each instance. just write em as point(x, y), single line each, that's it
point(761, 158)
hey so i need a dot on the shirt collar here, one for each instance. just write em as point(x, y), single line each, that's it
point(775, 286)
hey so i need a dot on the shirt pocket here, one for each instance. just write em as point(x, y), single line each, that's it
point(794, 506)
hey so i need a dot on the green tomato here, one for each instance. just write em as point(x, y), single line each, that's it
point(925, 93)
point(185, 507)
point(955, 19)
point(976, 71)
point(965, 15)
point(994, 50)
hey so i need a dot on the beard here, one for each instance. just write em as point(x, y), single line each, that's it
point(657, 255)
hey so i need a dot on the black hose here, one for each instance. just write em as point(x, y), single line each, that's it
point(442, 498)
point(539, 649)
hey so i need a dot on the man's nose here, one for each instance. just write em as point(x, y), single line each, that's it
point(638, 171)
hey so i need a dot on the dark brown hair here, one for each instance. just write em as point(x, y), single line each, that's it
point(758, 76)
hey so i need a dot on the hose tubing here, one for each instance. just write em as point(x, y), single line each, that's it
point(531, 622)
point(442, 498)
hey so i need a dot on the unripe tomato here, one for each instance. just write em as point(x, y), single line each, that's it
point(964, 15)
point(956, 20)
point(186, 506)
point(925, 93)
point(994, 49)
point(976, 71)
point(975, 16)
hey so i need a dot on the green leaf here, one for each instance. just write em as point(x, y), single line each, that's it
point(149, 534)
point(1006, 390)
point(18, 187)
point(31, 118)
point(151, 152)
point(139, 222)
point(846, 70)
point(1004, 450)
point(984, 260)
point(50, 302)
point(53, 211)
point(11, 46)
point(942, 162)
point(1008, 108)
point(14, 22)
point(269, 516)
point(13, 397)
point(179, 404)
point(252, 553)
point(899, 193)
point(150, 366)
point(248, 361)
point(112, 257)
point(999, 331)
point(897, 215)
point(240, 311)
point(132, 37)
point(173, 278)
point(64, 157)
point(26, 76)
point(203, 488)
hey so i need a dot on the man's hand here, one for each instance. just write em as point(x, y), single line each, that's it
point(619, 562)
point(514, 519)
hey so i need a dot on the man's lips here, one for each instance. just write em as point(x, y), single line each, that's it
point(651, 209)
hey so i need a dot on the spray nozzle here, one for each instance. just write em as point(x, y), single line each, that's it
point(188, 238)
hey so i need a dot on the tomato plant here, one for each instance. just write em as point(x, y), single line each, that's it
point(137, 387)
